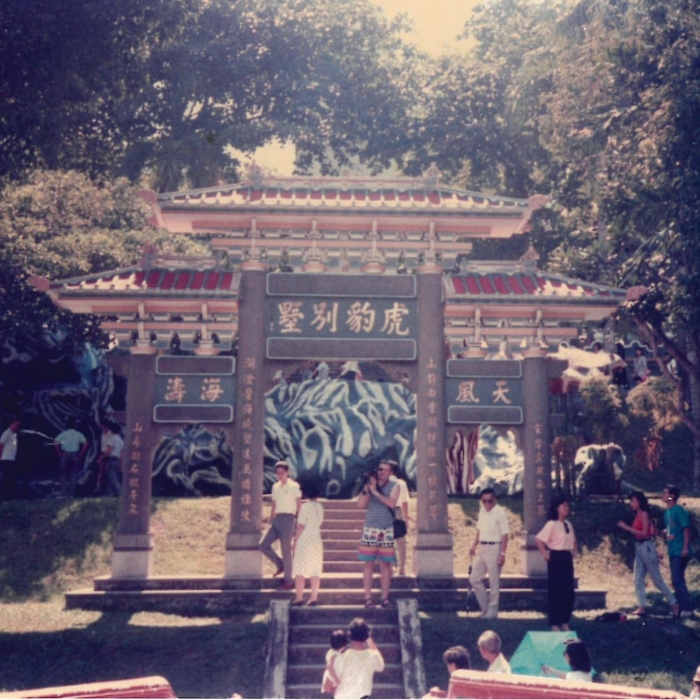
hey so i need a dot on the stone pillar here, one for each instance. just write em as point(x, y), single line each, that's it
point(243, 559)
point(133, 543)
point(433, 548)
point(537, 454)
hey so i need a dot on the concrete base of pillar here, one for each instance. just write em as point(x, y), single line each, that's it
point(432, 554)
point(532, 562)
point(132, 563)
point(433, 562)
point(243, 563)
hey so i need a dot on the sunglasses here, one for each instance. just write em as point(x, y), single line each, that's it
point(487, 500)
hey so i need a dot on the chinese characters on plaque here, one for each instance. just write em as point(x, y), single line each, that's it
point(432, 452)
point(133, 470)
point(249, 368)
point(342, 318)
point(192, 389)
point(540, 470)
point(484, 391)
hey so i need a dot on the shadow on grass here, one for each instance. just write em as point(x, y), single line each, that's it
point(203, 660)
point(652, 652)
point(44, 540)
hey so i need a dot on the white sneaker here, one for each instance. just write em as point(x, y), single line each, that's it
point(686, 613)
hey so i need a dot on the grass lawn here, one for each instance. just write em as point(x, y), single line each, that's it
point(51, 546)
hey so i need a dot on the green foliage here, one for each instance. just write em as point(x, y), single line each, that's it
point(172, 85)
point(60, 225)
point(30, 317)
point(655, 401)
point(604, 416)
point(596, 104)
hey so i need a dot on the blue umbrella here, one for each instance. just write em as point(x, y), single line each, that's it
point(541, 648)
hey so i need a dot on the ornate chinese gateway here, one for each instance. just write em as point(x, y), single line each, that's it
point(328, 292)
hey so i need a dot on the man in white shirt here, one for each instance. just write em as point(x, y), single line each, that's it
point(401, 514)
point(354, 669)
point(109, 461)
point(8, 457)
point(286, 502)
point(492, 541)
point(490, 649)
point(70, 446)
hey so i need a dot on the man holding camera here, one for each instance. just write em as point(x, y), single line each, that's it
point(379, 496)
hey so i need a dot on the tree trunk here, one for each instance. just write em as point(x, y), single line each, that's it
point(695, 412)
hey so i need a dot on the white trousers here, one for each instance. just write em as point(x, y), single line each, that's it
point(486, 562)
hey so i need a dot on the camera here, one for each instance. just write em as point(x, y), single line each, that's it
point(364, 479)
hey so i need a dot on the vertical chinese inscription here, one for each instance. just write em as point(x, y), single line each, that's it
point(431, 438)
point(250, 368)
point(133, 471)
point(540, 470)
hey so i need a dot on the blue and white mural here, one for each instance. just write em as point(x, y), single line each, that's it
point(336, 429)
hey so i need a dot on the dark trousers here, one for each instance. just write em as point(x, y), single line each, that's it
point(678, 567)
point(560, 587)
point(68, 472)
point(8, 480)
point(282, 529)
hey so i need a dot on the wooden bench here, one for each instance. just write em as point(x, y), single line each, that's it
point(150, 687)
point(480, 684)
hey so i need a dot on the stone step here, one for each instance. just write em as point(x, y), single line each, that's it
point(338, 616)
point(212, 602)
point(341, 536)
point(352, 517)
point(337, 505)
point(318, 632)
point(312, 673)
point(345, 544)
point(328, 581)
point(339, 556)
point(342, 525)
point(340, 567)
point(302, 653)
point(379, 690)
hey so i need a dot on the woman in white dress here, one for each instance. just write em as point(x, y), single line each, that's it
point(308, 546)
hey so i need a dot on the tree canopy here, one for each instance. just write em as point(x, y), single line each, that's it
point(170, 86)
point(597, 104)
point(60, 225)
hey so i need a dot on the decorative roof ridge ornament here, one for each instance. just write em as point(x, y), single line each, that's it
point(374, 258)
point(431, 178)
point(528, 260)
point(254, 175)
point(253, 252)
point(150, 253)
point(431, 257)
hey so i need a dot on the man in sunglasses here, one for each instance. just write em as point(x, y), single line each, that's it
point(489, 553)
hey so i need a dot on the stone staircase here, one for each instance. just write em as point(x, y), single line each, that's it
point(341, 530)
point(309, 634)
point(341, 584)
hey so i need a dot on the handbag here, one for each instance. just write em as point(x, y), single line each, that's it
point(400, 528)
